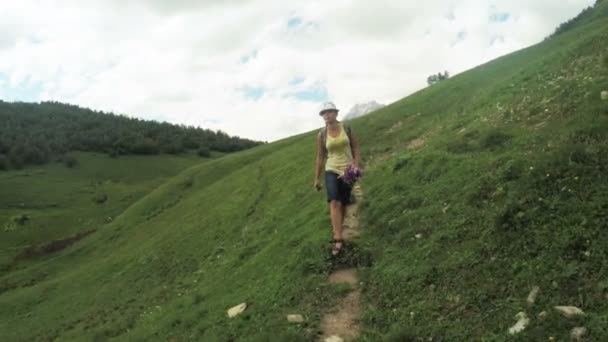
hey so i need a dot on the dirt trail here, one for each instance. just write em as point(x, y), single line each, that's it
point(341, 323)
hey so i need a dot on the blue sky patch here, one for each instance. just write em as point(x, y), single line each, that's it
point(296, 81)
point(294, 21)
point(313, 94)
point(462, 35)
point(247, 58)
point(253, 93)
point(499, 17)
point(298, 24)
point(26, 91)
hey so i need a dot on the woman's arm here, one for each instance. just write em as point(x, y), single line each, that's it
point(319, 161)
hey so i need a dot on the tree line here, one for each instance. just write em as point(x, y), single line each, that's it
point(437, 78)
point(33, 134)
point(573, 22)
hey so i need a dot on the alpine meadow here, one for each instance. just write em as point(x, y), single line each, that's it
point(485, 201)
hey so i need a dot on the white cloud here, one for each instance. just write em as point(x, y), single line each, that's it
point(183, 61)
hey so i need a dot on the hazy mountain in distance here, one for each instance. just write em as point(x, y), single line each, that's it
point(362, 109)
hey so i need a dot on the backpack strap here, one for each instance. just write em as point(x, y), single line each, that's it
point(350, 140)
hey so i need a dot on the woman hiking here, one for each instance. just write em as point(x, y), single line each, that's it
point(337, 153)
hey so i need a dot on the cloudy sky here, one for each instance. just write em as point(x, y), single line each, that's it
point(258, 69)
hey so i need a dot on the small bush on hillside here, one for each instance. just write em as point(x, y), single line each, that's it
point(495, 139)
point(173, 148)
point(591, 135)
point(20, 219)
point(437, 78)
point(414, 202)
point(483, 193)
point(579, 154)
point(512, 170)
point(100, 198)
point(400, 334)
point(188, 182)
point(16, 159)
point(204, 152)
point(69, 161)
point(4, 163)
point(401, 162)
point(512, 217)
point(145, 146)
point(113, 153)
point(460, 146)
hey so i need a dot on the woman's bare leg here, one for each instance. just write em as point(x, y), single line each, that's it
point(336, 212)
point(343, 214)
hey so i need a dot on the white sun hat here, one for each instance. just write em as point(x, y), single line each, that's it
point(328, 106)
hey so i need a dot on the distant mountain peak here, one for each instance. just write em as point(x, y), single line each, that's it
point(362, 109)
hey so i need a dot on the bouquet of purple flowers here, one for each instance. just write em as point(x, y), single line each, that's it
point(352, 174)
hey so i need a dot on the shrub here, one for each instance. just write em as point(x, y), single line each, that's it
point(145, 146)
point(512, 170)
point(69, 161)
point(173, 148)
point(204, 152)
point(460, 146)
point(512, 217)
point(494, 139)
point(188, 182)
point(16, 158)
point(21, 219)
point(114, 153)
point(4, 163)
point(401, 162)
point(100, 198)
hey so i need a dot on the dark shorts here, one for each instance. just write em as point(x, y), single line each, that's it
point(336, 188)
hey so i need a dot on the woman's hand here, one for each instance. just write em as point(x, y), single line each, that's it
point(316, 185)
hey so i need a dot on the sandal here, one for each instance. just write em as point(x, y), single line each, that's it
point(335, 249)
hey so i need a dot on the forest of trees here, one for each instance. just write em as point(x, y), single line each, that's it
point(568, 25)
point(32, 133)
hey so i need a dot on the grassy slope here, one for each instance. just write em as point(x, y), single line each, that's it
point(247, 227)
point(509, 191)
point(60, 201)
point(216, 235)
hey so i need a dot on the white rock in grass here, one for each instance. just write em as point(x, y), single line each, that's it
point(542, 315)
point(418, 236)
point(605, 95)
point(569, 311)
point(295, 318)
point(334, 338)
point(533, 294)
point(578, 334)
point(235, 310)
point(522, 323)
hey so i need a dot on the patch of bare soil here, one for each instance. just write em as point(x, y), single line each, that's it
point(52, 247)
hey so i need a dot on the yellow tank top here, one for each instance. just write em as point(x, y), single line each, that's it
point(339, 153)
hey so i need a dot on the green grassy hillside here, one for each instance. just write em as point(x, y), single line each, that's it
point(59, 202)
point(501, 170)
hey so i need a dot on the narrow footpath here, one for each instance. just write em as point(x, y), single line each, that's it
point(341, 323)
